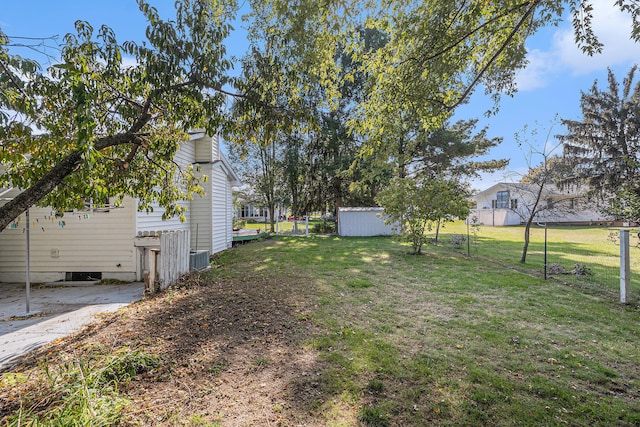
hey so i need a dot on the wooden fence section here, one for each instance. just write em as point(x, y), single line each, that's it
point(174, 256)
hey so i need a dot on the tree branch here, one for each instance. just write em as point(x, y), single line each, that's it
point(49, 181)
point(14, 83)
point(484, 69)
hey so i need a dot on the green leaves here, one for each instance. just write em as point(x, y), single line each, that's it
point(604, 147)
point(115, 122)
point(417, 204)
point(395, 70)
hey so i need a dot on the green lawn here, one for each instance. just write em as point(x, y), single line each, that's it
point(597, 248)
point(284, 226)
point(449, 339)
point(377, 337)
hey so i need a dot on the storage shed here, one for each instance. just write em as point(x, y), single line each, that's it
point(367, 221)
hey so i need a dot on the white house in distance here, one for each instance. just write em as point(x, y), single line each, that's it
point(508, 203)
point(112, 243)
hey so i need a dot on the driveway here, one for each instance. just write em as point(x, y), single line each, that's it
point(55, 312)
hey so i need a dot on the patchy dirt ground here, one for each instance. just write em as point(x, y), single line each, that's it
point(231, 353)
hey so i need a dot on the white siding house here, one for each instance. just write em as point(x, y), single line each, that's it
point(108, 243)
point(510, 203)
point(367, 221)
point(212, 215)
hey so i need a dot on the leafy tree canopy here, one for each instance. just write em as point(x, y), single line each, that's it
point(604, 147)
point(91, 125)
point(416, 204)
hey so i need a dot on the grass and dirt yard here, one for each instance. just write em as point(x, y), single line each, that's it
point(330, 331)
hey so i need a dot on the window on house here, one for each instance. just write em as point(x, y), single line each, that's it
point(93, 205)
point(573, 204)
point(502, 201)
point(514, 203)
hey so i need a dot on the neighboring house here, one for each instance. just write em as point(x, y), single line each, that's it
point(249, 207)
point(110, 242)
point(367, 221)
point(510, 204)
point(252, 210)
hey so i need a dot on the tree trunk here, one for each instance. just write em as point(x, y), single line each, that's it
point(527, 230)
point(40, 189)
point(272, 211)
point(337, 192)
point(527, 227)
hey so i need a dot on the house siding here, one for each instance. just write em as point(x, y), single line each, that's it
point(220, 224)
point(201, 227)
point(88, 242)
point(104, 242)
point(152, 221)
point(495, 217)
point(207, 149)
point(230, 214)
point(487, 214)
point(212, 214)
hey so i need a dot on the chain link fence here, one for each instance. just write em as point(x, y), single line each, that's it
point(585, 257)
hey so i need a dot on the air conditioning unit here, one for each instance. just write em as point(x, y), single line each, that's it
point(198, 260)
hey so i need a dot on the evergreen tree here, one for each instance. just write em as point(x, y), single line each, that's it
point(604, 147)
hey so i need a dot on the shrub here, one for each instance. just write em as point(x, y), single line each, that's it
point(324, 227)
point(458, 240)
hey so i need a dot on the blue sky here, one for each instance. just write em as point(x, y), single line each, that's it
point(550, 86)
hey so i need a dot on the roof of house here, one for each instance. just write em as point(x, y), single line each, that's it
point(548, 191)
point(361, 209)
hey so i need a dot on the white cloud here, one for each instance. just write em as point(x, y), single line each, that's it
point(538, 71)
point(129, 62)
point(613, 29)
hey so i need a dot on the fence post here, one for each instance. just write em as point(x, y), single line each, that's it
point(545, 251)
point(625, 269)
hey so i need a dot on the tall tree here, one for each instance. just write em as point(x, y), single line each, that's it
point(261, 168)
point(438, 52)
point(451, 153)
point(107, 128)
point(334, 145)
point(92, 126)
point(454, 150)
point(295, 169)
point(604, 146)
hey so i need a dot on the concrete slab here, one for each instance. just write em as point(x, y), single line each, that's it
point(62, 311)
point(67, 283)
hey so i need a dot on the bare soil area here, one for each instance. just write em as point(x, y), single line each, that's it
point(231, 353)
